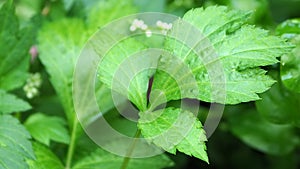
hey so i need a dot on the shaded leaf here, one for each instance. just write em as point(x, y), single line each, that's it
point(264, 136)
point(45, 128)
point(14, 47)
point(105, 160)
point(45, 158)
point(279, 105)
point(290, 63)
point(14, 144)
point(10, 103)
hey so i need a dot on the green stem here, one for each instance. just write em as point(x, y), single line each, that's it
point(130, 150)
point(72, 144)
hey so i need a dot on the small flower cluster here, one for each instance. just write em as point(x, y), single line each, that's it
point(140, 24)
point(164, 26)
point(33, 83)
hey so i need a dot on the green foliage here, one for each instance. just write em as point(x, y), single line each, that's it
point(241, 52)
point(256, 132)
point(45, 158)
point(106, 160)
point(10, 103)
point(15, 146)
point(279, 105)
point(45, 128)
point(14, 47)
point(290, 66)
point(60, 62)
point(114, 59)
point(240, 48)
point(174, 129)
point(104, 12)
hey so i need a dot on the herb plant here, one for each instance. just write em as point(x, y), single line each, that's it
point(259, 83)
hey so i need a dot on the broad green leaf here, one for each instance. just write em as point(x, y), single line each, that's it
point(290, 63)
point(45, 128)
point(279, 105)
point(262, 135)
point(107, 11)
point(174, 129)
point(59, 45)
point(14, 47)
point(14, 144)
point(10, 103)
point(45, 158)
point(105, 160)
point(229, 55)
point(120, 70)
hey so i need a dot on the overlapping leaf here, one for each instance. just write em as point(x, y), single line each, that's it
point(45, 158)
point(10, 103)
point(14, 144)
point(14, 47)
point(45, 128)
point(174, 129)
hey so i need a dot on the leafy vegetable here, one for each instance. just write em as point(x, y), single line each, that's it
point(45, 128)
point(14, 144)
point(10, 103)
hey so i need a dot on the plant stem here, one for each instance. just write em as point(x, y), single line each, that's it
point(130, 150)
point(72, 144)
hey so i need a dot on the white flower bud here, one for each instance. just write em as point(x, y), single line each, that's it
point(132, 28)
point(148, 33)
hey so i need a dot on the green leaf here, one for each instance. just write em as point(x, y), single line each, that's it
point(290, 63)
point(107, 11)
point(45, 128)
point(45, 158)
point(174, 129)
point(105, 160)
point(10, 103)
point(14, 144)
point(229, 55)
point(14, 47)
point(289, 29)
point(120, 64)
point(59, 45)
point(279, 105)
point(262, 135)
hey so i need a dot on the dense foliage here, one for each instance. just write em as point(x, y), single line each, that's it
point(258, 49)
